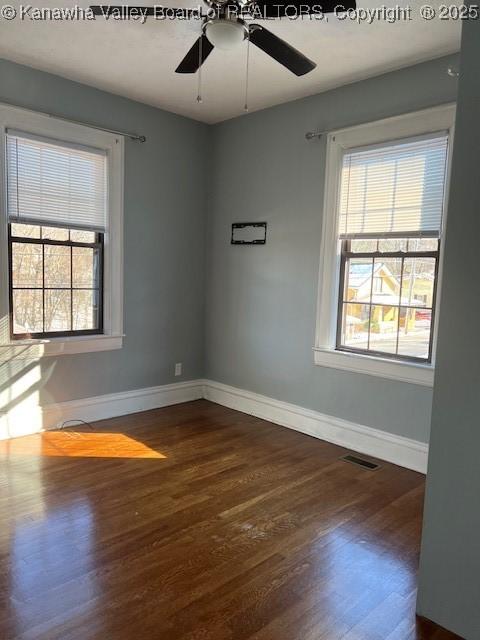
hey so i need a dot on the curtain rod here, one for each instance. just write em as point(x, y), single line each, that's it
point(452, 71)
point(132, 136)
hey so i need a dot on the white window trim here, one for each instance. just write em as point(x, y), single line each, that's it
point(325, 354)
point(112, 338)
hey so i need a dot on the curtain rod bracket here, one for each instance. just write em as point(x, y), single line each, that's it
point(310, 135)
point(453, 71)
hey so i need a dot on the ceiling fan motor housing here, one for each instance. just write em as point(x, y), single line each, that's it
point(225, 33)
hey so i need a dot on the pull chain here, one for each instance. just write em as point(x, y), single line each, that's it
point(245, 106)
point(199, 87)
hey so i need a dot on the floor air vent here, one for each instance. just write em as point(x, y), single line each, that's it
point(361, 462)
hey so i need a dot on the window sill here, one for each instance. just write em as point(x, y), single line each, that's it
point(421, 374)
point(41, 348)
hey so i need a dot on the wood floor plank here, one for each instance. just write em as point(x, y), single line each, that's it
point(197, 522)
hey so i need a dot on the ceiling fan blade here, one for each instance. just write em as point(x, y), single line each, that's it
point(296, 8)
point(124, 12)
point(280, 50)
point(191, 62)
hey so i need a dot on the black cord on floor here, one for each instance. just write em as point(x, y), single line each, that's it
point(76, 421)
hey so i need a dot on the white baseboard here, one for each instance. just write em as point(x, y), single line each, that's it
point(374, 442)
point(27, 418)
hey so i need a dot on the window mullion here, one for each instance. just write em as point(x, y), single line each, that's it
point(399, 304)
point(71, 285)
point(341, 293)
point(43, 286)
point(370, 309)
point(434, 304)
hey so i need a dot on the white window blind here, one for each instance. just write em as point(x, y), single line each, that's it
point(55, 184)
point(395, 189)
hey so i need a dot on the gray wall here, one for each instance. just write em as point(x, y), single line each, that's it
point(164, 239)
point(261, 300)
point(450, 562)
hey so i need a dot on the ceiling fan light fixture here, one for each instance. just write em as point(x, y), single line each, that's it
point(225, 34)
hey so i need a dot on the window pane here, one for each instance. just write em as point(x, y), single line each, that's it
point(387, 274)
point(55, 288)
point(383, 328)
point(84, 267)
point(85, 310)
point(27, 311)
point(54, 233)
point(57, 266)
point(423, 244)
point(355, 325)
point(26, 265)
point(25, 230)
point(414, 335)
point(418, 281)
point(57, 310)
point(363, 246)
point(358, 279)
point(392, 244)
point(82, 236)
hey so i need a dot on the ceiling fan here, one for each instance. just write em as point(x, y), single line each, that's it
point(224, 27)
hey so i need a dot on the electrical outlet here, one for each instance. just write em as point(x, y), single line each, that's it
point(178, 369)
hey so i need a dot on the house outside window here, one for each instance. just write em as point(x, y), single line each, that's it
point(384, 219)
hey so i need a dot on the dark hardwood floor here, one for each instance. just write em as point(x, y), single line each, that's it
point(198, 522)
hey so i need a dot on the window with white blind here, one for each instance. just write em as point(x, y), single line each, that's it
point(56, 206)
point(385, 204)
point(55, 183)
point(395, 189)
point(63, 231)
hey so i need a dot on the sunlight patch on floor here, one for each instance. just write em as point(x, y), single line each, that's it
point(78, 445)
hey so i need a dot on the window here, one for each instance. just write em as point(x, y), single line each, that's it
point(56, 204)
point(61, 231)
point(384, 309)
point(55, 281)
point(380, 272)
point(391, 204)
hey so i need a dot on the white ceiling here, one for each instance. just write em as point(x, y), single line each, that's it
point(138, 61)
